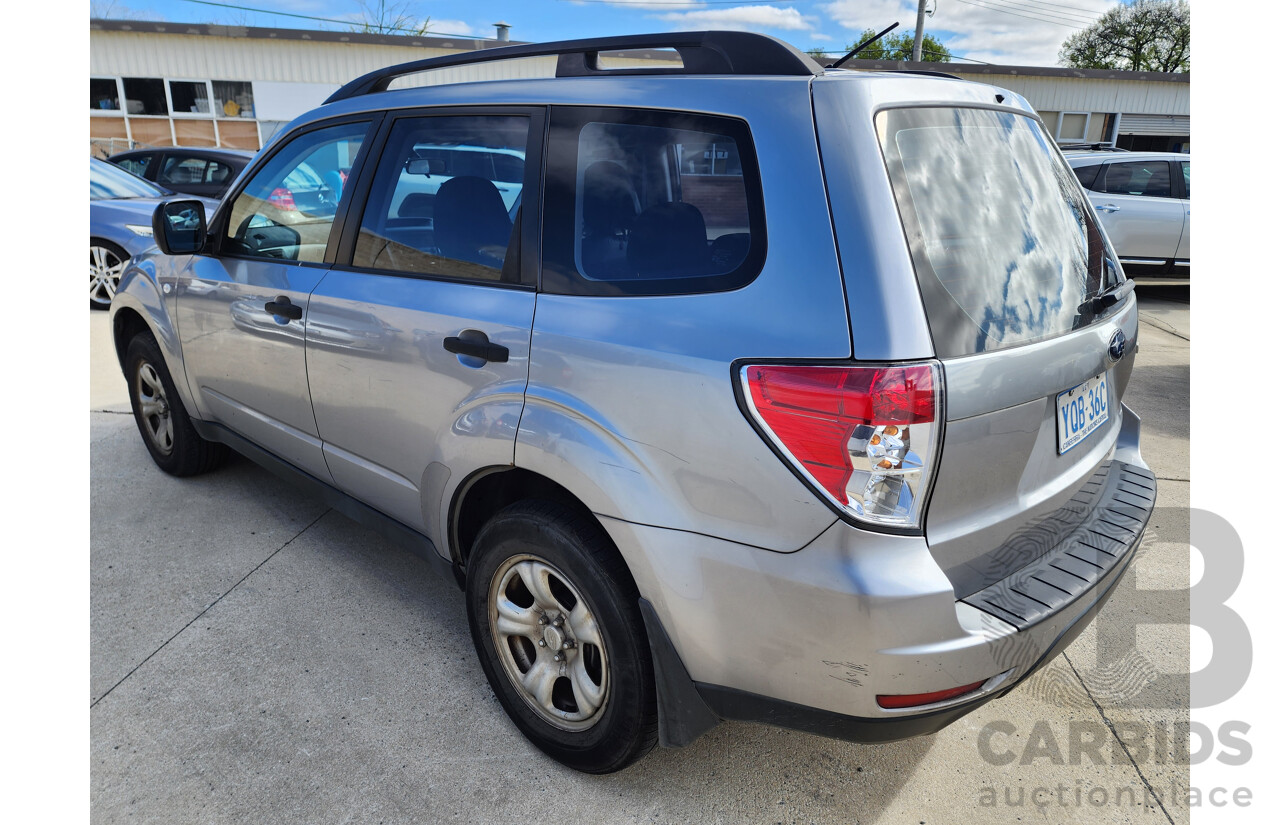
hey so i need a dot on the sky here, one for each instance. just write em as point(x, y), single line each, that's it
point(1012, 32)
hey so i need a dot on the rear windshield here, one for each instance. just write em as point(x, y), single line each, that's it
point(1005, 246)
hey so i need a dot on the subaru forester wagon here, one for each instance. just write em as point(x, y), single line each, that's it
point(739, 389)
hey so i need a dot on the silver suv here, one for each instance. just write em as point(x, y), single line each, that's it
point(788, 394)
point(1143, 200)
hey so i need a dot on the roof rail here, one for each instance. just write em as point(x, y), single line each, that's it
point(707, 52)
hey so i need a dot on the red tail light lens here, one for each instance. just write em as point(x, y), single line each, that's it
point(282, 199)
point(915, 700)
point(865, 435)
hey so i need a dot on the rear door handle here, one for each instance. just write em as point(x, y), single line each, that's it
point(477, 346)
point(284, 308)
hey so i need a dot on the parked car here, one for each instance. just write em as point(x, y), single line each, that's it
point(705, 479)
point(120, 210)
point(1143, 200)
point(189, 169)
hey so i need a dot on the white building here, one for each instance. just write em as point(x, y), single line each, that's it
point(205, 85)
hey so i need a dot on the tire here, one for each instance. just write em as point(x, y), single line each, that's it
point(595, 710)
point(106, 264)
point(166, 429)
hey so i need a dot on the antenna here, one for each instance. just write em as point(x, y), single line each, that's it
point(862, 46)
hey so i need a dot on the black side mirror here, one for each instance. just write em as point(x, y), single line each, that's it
point(179, 227)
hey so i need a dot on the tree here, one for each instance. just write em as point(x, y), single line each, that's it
point(390, 17)
point(897, 46)
point(1147, 36)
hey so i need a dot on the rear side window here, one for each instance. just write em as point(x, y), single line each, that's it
point(1087, 174)
point(1005, 247)
point(650, 203)
point(1146, 178)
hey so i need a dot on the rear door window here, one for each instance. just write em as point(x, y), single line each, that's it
point(1087, 174)
point(650, 203)
point(1148, 178)
point(1006, 249)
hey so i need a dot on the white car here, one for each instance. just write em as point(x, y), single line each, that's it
point(1143, 201)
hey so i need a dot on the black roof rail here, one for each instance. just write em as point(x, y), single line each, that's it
point(707, 52)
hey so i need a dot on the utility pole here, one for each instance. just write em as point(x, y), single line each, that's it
point(915, 47)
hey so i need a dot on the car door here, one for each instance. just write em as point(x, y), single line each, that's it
point(242, 309)
point(1138, 211)
point(1183, 255)
point(418, 339)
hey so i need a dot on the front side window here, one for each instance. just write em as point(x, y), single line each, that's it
point(287, 209)
point(1186, 177)
point(1146, 178)
point(651, 203)
point(446, 198)
point(1006, 249)
point(136, 165)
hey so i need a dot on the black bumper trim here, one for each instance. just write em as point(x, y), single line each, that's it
point(1083, 558)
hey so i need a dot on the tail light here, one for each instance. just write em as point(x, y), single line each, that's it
point(282, 199)
point(867, 437)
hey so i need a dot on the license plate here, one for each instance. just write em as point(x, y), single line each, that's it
point(1081, 410)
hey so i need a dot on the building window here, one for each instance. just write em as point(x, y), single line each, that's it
point(233, 98)
point(145, 96)
point(1073, 126)
point(189, 97)
point(104, 95)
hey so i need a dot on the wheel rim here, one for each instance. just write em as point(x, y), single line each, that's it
point(105, 268)
point(153, 408)
point(549, 643)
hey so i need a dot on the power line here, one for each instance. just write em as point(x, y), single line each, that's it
point(1068, 16)
point(1016, 14)
point(379, 29)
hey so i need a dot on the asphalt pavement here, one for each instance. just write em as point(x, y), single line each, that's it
point(257, 657)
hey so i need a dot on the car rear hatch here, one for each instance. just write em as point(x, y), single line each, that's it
point(1029, 317)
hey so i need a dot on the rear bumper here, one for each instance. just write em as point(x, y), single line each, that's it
point(808, 640)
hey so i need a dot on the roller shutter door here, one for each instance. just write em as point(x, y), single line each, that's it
point(1171, 125)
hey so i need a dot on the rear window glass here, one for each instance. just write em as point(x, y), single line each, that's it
point(651, 203)
point(1005, 248)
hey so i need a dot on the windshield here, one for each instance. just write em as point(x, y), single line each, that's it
point(109, 181)
point(1006, 249)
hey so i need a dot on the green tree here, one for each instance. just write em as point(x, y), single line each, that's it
point(1147, 36)
point(897, 46)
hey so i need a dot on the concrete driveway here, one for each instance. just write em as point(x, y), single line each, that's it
point(256, 657)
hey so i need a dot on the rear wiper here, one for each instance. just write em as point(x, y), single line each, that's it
point(1108, 298)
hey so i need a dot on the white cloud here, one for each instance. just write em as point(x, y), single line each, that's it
point(743, 18)
point(987, 30)
point(454, 27)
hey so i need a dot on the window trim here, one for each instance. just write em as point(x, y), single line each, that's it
point(528, 246)
point(560, 273)
point(218, 224)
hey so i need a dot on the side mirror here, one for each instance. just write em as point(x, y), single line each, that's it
point(179, 227)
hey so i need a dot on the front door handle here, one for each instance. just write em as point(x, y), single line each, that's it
point(285, 308)
point(1108, 207)
point(477, 345)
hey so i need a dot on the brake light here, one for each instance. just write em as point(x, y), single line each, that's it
point(282, 199)
point(866, 436)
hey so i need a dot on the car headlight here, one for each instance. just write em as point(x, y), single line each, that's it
point(139, 229)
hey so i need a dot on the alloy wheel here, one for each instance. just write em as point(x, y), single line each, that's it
point(105, 268)
point(153, 406)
